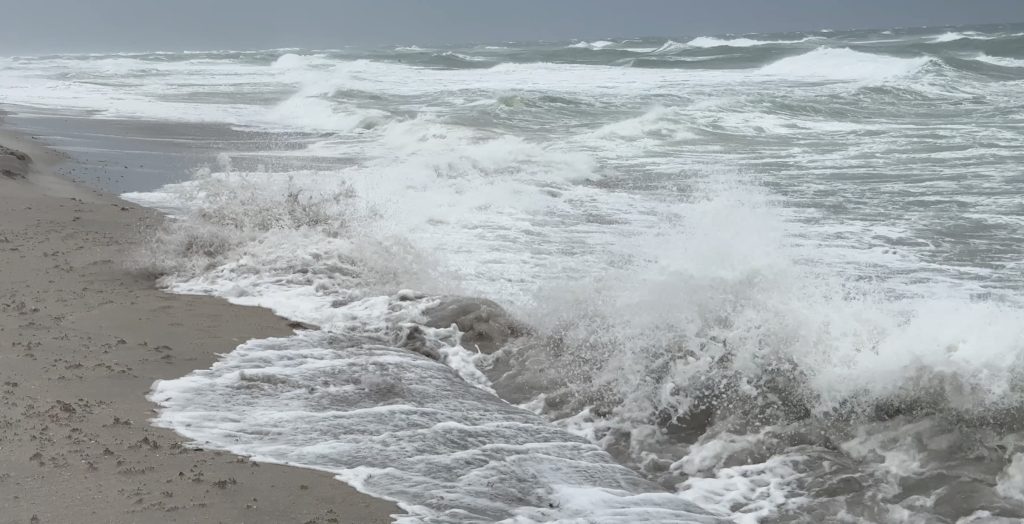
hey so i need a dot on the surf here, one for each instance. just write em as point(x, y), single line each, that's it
point(749, 281)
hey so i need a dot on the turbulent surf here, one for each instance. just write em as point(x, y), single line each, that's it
point(732, 278)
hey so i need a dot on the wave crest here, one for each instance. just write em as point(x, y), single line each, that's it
point(709, 41)
point(955, 36)
point(596, 45)
point(723, 327)
point(829, 63)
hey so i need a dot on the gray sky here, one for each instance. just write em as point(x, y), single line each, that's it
point(34, 26)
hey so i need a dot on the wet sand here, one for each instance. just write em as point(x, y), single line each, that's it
point(81, 341)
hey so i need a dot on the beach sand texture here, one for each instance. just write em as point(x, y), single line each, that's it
point(81, 341)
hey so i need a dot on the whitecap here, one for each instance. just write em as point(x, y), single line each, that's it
point(669, 47)
point(595, 45)
point(708, 41)
point(829, 63)
point(1000, 60)
point(954, 36)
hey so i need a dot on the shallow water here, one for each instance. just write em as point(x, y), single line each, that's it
point(767, 277)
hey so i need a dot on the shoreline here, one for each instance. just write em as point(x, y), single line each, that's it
point(82, 340)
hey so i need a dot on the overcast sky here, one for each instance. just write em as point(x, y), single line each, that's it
point(32, 26)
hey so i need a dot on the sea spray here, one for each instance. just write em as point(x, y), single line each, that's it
point(826, 321)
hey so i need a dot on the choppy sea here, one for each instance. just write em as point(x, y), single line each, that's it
point(755, 278)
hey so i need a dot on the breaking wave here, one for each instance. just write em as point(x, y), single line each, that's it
point(1000, 60)
point(844, 64)
point(595, 45)
point(669, 47)
point(827, 321)
point(708, 42)
point(954, 36)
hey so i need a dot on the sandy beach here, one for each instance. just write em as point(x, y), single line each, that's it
point(81, 341)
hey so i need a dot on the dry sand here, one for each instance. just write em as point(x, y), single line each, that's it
point(81, 341)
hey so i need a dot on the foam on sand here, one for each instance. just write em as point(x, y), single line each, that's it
point(112, 333)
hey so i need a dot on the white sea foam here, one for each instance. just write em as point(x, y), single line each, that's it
point(955, 36)
point(364, 383)
point(749, 493)
point(311, 111)
point(463, 56)
point(1000, 60)
point(709, 41)
point(1011, 480)
point(290, 61)
point(727, 283)
point(595, 45)
point(655, 285)
point(843, 64)
point(658, 123)
point(669, 47)
point(400, 426)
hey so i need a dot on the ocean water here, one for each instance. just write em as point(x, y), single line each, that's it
point(764, 278)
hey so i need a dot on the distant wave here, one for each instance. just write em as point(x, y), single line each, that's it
point(600, 45)
point(595, 45)
point(882, 41)
point(1000, 60)
point(953, 37)
point(709, 41)
point(844, 64)
point(669, 47)
point(460, 56)
point(295, 61)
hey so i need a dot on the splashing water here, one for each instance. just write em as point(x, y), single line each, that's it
point(762, 278)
